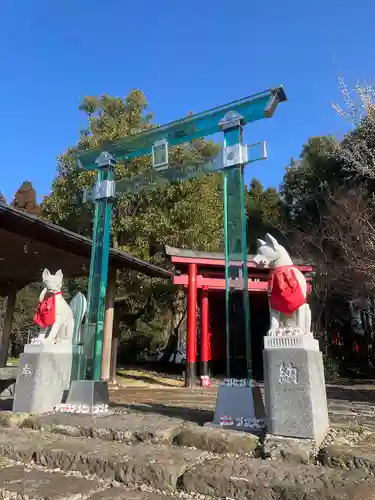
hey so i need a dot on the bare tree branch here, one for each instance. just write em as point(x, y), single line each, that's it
point(357, 150)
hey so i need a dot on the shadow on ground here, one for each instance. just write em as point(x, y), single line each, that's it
point(143, 378)
point(187, 414)
point(156, 367)
point(352, 392)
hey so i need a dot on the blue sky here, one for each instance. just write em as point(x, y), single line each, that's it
point(186, 55)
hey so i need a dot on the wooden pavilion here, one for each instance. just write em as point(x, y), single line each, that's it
point(28, 244)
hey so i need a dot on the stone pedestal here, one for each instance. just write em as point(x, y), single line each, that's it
point(44, 377)
point(294, 388)
point(92, 394)
point(239, 405)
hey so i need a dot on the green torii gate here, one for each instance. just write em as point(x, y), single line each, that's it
point(230, 119)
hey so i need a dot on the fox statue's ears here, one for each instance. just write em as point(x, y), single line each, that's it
point(46, 274)
point(260, 243)
point(271, 241)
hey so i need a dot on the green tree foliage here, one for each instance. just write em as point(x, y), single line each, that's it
point(310, 180)
point(26, 304)
point(264, 213)
point(185, 214)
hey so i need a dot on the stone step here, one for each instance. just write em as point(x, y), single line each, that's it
point(127, 427)
point(137, 427)
point(121, 493)
point(134, 427)
point(179, 472)
point(154, 465)
point(261, 479)
point(17, 481)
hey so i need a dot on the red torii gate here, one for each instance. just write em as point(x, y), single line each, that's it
point(205, 272)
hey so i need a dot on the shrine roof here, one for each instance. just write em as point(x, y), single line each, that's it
point(28, 244)
point(184, 256)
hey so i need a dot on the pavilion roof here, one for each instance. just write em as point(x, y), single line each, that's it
point(29, 243)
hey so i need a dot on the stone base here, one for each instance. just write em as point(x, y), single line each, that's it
point(89, 393)
point(295, 393)
point(43, 380)
point(291, 341)
point(239, 408)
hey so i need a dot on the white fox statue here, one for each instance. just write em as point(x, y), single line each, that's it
point(54, 315)
point(287, 290)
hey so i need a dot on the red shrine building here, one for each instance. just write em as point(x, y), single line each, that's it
point(202, 274)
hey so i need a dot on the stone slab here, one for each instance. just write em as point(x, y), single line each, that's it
point(43, 485)
point(249, 478)
point(11, 419)
point(131, 427)
point(360, 456)
point(217, 440)
point(295, 395)
point(298, 451)
point(152, 465)
point(122, 494)
point(42, 382)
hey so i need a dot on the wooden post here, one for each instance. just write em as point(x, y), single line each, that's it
point(108, 325)
point(115, 339)
point(7, 327)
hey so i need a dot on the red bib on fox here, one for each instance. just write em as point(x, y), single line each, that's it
point(285, 293)
point(45, 315)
